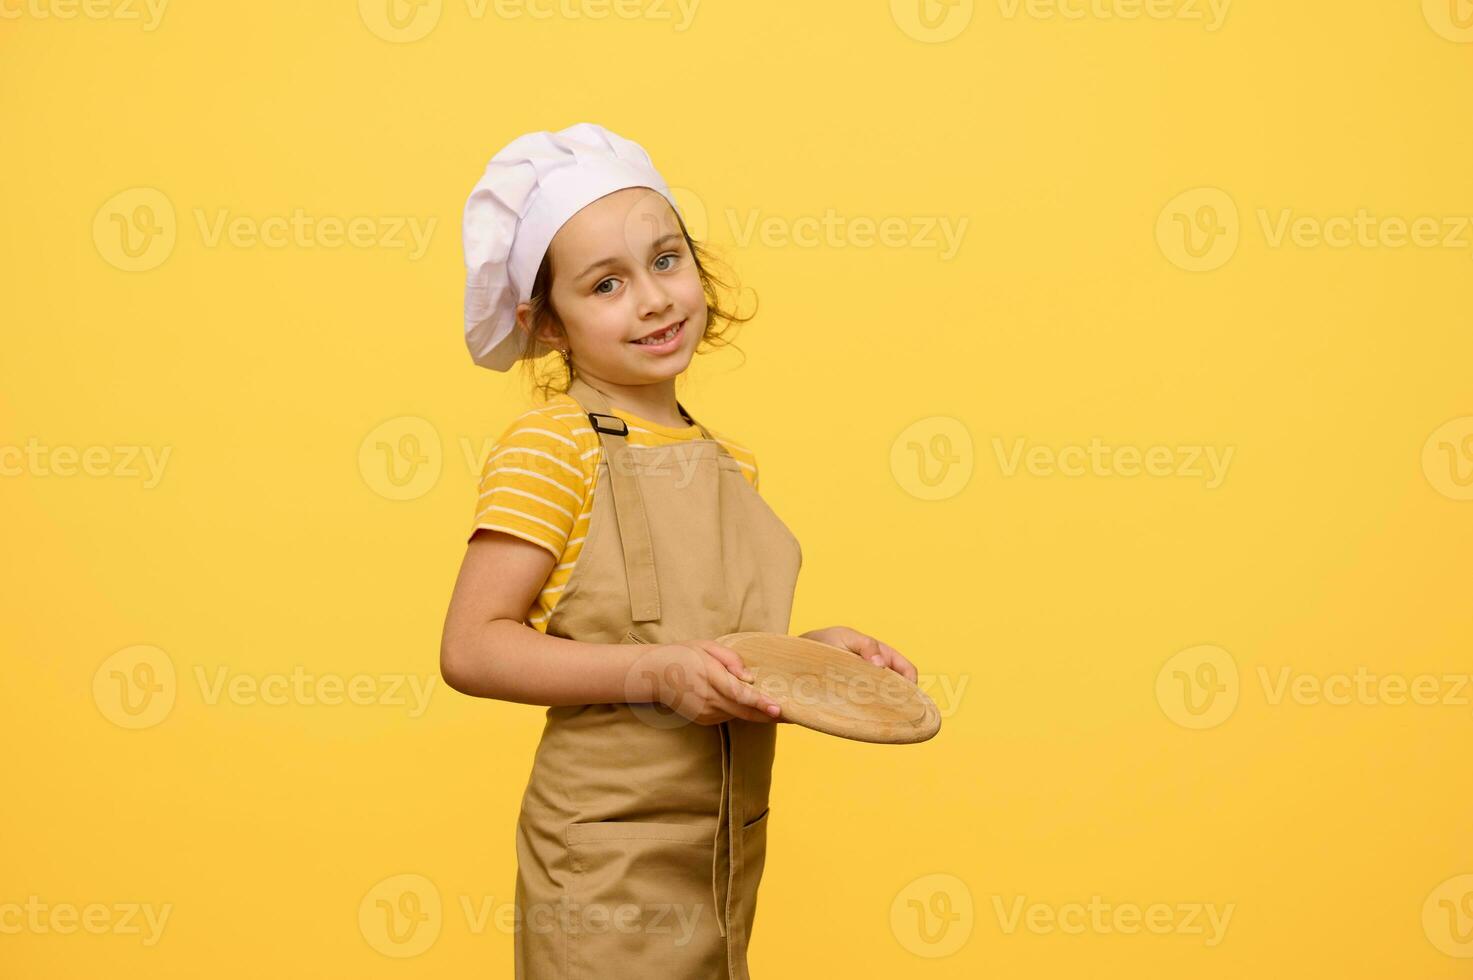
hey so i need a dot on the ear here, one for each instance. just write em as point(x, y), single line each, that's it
point(550, 334)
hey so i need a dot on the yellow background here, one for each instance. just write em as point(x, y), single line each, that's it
point(1050, 602)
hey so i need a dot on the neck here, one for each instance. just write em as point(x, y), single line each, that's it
point(654, 402)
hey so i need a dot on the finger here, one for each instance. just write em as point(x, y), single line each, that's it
point(728, 703)
point(746, 697)
point(739, 693)
point(729, 659)
point(842, 637)
point(850, 638)
point(751, 714)
point(870, 649)
point(899, 664)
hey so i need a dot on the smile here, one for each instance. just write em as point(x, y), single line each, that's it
point(664, 341)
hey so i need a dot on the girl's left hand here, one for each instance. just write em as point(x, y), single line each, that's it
point(863, 645)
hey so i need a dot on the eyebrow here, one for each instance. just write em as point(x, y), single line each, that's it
point(663, 239)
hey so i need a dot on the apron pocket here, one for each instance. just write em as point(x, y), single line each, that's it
point(754, 859)
point(611, 830)
point(640, 901)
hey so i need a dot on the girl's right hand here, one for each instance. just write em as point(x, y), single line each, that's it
point(705, 682)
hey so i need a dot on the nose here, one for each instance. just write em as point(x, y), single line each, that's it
point(651, 295)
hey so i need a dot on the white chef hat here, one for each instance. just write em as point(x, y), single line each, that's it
point(530, 189)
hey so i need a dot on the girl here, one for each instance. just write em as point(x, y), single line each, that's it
point(616, 536)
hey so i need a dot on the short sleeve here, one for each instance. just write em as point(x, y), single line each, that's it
point(533, 484)
point(746, 460)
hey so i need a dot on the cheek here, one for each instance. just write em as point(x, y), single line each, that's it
point(597, 318)
point(692, 295)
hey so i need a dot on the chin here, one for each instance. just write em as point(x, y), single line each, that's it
point(672, 368)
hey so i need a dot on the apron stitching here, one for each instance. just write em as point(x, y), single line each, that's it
point(634, 532)
point(734, 868)
point(722, 810)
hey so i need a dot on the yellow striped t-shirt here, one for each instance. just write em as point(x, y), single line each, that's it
point(537, 482)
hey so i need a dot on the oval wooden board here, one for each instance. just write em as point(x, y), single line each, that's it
point(831, 690)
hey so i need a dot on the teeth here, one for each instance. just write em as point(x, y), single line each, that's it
point(659, 338)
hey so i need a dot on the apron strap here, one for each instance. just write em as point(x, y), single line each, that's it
point(705, 432)
point(634, 527)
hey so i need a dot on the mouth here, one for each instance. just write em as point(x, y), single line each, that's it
point(662, 341)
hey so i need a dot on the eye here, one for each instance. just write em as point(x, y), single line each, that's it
point(600, 287)
point(674, 257)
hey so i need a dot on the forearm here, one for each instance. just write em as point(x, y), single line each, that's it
point(511, 661)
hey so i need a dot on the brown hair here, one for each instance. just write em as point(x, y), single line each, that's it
point(719, 318)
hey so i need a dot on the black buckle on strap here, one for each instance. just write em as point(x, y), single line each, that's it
point(623, 429)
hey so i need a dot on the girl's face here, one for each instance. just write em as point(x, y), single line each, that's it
point(621, 270)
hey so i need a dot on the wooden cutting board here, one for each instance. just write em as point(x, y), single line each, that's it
point(834, 691)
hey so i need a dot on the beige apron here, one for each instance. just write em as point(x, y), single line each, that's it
point(642, 836)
